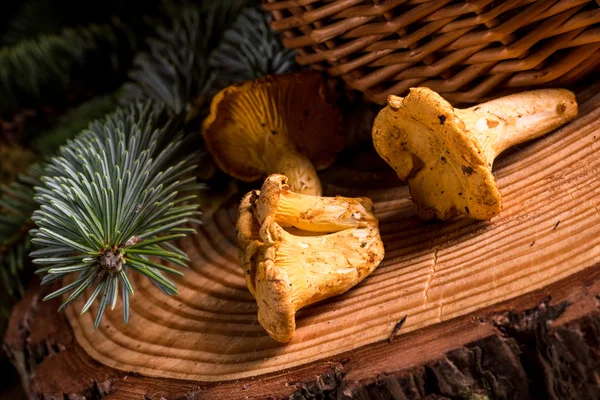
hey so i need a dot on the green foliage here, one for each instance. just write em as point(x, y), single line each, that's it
point(175, 71)
point(53, 67)
point(17, 202)
point(12, 269)
point(32, 18)
point(16, 207)
point(251, 49)
point(73, 122)
point(109, 201)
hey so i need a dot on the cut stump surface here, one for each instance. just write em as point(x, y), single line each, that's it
point(453, 281)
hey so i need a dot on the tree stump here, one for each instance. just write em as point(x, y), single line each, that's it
point(507, 308)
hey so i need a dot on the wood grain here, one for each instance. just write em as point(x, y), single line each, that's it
point(433, 272)
point(523, 348)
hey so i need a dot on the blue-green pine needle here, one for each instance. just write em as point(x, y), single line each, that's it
point(109, 205)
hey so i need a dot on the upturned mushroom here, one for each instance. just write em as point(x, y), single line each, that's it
point(286, 271)
point(311, 213)
point(276, 124)
point(447, 154)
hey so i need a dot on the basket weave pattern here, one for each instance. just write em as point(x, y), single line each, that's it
point(465, 50)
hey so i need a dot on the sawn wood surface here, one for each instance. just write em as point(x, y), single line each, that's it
point(508, 307)
point(548, 230)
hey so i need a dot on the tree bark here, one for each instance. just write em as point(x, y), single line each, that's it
point(544, 345)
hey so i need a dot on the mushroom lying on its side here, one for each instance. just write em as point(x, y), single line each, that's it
point(286, 271)
point(311, 213)
point(275, 124)
point(447, 154)
point(248, 239)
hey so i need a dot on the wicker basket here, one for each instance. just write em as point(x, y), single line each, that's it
point(466, 50)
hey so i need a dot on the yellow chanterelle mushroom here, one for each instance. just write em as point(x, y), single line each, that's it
point(286, 271)
point(276, 124)
point(446, 154)
point(311, 213)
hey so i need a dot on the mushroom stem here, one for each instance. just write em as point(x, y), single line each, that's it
point(510, 120)
point(447, 154)
point(302, 176)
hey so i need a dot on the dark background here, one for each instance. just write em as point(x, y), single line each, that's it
point(10, 383)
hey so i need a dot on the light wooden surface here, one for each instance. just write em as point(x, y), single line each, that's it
point(549, 229)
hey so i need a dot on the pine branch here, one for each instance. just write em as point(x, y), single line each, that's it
point(54, 67)
point(16, 207)
point(12, 271)
point(108, 202)
point(251, 49)
point(176, 71)
point(32, 18)
point(17, 202)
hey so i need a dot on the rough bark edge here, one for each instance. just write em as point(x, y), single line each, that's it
point(526, 359)
point(549, 351)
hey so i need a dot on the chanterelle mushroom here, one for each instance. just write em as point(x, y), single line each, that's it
point(251, 248)
point(447, 154)
point(311, 213)
point(276, 124)
point(286, 271)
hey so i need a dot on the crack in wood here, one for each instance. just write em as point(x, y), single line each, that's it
point(595, 207)
point(430, 274)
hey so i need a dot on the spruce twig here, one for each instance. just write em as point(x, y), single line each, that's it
point(12, 271)
point(250, 49)
point(53, 67)
point(108, 203)
point(16, 207)
point(32, 18)
point(175, 70)
point(17, 202)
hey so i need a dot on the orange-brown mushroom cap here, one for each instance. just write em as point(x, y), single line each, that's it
point(446, 154)
point(254, 126)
